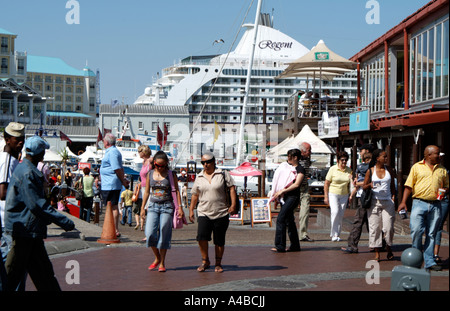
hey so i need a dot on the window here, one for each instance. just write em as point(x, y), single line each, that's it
point(429, 63)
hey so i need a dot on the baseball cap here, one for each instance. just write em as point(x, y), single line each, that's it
point(35, 145)
point(15, 129)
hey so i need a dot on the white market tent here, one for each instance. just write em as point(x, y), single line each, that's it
point(88, 154)
point(51, 156)
point(305, 135)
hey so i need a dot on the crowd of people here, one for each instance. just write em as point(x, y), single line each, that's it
point(156, 200)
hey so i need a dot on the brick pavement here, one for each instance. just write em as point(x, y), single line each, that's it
point(248, 263)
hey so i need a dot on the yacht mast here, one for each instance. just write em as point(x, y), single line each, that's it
point(247, 87)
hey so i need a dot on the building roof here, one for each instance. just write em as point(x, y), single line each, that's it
point(51, 65)
point(428, 9)
point(6, 32)
point(146, 109)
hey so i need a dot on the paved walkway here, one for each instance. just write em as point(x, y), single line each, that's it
point(248, 262)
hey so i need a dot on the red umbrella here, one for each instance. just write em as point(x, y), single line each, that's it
point(245, 169)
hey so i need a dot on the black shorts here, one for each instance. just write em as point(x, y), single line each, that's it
point(217, 226)
point(112, 196)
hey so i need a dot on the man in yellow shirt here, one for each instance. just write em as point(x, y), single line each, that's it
point(127, 202)
point(424, 181)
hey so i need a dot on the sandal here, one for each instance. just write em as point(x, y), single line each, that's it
point(205, 265)
point(218, 267)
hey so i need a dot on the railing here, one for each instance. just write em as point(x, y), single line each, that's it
point(313, 108)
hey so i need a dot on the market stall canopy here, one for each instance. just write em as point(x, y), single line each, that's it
point(51, 156)
point(322, 58)
point(85, 156)
point(305, 135)
point(245, 169)
point(71, 154)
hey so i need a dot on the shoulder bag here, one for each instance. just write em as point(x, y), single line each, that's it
point(366, 195)
point(177, 222)
point(228, 194)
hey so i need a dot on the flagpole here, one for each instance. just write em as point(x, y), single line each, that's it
point(247, 87)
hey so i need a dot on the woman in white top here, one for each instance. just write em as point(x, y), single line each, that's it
point(381, 213)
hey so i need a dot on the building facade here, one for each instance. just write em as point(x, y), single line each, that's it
point(61, 94)
point(404, 90)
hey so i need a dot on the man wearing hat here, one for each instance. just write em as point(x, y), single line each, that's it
point(26, 218)
point(14, 136)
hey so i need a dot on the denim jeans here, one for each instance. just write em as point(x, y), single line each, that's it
point(158, 227)
point(444, 212)
point(126, 215)
point(425, 218)
point(285, 220)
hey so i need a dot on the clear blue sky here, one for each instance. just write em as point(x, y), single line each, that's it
point(130, 41)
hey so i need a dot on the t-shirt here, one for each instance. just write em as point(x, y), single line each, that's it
point(126, 197)
point(88, 182)
point(296, 192)
point(111, 162)
point(339, 180)
point(160, 190)
point(212, 201)
point(7, 165)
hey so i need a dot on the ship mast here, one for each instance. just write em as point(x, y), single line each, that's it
point(247, 88)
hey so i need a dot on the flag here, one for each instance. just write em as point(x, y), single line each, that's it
point(106, 131)
point(114, 103)
point(159, 137)
point(64, 137)
point(166, 133)
point(99, 136)
point(216, 131)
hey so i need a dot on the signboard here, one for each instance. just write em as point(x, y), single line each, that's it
point(82, 165)
point(240, 214)
point(328, 127)
point(360, 121)
point(260, 211)
point(322, 56)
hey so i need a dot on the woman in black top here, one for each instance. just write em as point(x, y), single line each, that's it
point(291, 197)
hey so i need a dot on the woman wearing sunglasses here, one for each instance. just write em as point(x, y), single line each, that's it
point(336, 192)
point(159, 213)
point(209, 191)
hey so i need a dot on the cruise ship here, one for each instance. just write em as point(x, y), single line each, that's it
point(219, 81)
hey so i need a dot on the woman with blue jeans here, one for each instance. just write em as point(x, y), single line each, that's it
point(159, 214)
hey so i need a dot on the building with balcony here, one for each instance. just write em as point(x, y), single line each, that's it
point(404, 100)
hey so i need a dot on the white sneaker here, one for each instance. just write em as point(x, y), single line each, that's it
point(335, 239)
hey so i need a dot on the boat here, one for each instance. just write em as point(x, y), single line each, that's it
point(218, 83)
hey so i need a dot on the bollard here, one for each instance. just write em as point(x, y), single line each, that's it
point(410, 276)
point(96, 211)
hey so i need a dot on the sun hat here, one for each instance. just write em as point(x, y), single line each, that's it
point(15, 129)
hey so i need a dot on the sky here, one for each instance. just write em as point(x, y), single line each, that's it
point(129, 42)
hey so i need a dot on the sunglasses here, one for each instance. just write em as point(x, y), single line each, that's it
point(160, 166)
point(345, 160)
point(207, 161)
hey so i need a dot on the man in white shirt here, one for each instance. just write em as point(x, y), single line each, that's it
point(14, 136)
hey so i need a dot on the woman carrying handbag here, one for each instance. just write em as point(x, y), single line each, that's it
point(381, 214)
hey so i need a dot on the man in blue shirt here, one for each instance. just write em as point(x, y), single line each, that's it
point(112, 177)
point(27, 215)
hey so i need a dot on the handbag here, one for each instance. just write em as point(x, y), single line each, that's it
point(79, 194)
point(177, 222)
point(366, 196)
point(228, 194)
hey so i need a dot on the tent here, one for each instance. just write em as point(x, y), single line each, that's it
point(51, 156)
point(305, 135)
point(284, 143)
point(88, 154)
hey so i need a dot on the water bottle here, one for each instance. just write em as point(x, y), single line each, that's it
point(402, 214)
